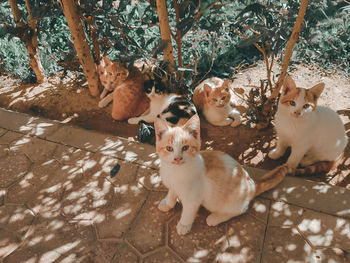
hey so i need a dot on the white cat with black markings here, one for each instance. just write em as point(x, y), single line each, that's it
point(314, 133)
point(175, 109)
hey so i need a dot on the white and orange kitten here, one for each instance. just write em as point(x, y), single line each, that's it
point(314, 133)
point(209, 178)
point(214, 98)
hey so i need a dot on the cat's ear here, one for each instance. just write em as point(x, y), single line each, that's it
point(193, 126)
point(160, 127)
point(207, 90)
point(317, 90)
point(288, 85)
point(226, 85)
point(105, 61)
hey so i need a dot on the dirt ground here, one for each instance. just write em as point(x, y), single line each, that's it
point(65, 97)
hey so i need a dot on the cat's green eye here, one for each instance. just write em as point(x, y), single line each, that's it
point(292, 103)
point(307, 105)
point(169, 148)
point(185, 148)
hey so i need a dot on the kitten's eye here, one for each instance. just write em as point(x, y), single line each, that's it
point(307, 105)
point(118, 74)
point(185, 148)
point(215, 100)
point(169, 148)
point(292, 103)
point(223, 98)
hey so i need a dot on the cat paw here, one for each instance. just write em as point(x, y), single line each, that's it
point(183, 229)
point(102, 104)
point(163, 206)
point(133, 120)
point(235, 123)
point(274, 154)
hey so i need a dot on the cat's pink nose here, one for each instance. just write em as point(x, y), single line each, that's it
point(297, 113)
point(178, 159)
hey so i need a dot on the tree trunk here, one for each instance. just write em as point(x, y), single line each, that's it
point(70, 10)
point(165, 30)
point(289, 49)
point(30, 40)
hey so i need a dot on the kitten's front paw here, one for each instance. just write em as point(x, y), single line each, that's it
point(274, 154)
point(183, 229)
point(163, 206)
point(133, 120)
point(235, 123)
point(102, 104)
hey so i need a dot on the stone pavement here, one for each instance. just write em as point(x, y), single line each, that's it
point(58, 203)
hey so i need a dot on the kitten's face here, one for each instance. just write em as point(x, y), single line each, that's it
point(177, 145)
point(299, 101)
point(152, 86)
point(218, 97)
point(111, 74)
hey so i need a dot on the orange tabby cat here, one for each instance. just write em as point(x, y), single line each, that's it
point(129, 98)
point(213, 97)
point(209, 178)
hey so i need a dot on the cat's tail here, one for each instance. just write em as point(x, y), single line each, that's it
point(272, 178)
point(320, 167)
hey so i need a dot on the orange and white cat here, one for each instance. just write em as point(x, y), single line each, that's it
point(128, 96)
point(214, 98)
point(209, 178)
point(314, 133)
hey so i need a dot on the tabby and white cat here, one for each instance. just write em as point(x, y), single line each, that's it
point(314, 133)
point(215, 99)
point(128, 96)
point(175, 109)
point(209, 178)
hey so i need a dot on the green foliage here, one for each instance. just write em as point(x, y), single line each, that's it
point(210, 45)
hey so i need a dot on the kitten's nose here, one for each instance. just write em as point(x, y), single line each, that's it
point(297, 113)
point(178, 159)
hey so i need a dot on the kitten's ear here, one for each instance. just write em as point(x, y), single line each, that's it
point(160, 127)
point(288, 85)
point(317, 90)
point(105, 61)
point(207, 90)
point(193, 126)
point(226, 85)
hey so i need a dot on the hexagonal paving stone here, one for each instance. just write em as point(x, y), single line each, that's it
point(87, 197)
point(4, 150)
point(150, 179)
point(245, 234)
point(15, 221)
point(2, 131)
point(9, 242)
point(284, 244)
point(37, 150)
point(202, 243)
point(325, 230)
point(163, 255)
point(47, 201)
point(111, 224)
point(71, 155)
point(58, 240)
point(30, 184)
point(238, 240)
point(10, 137)
point(303, 235)
point(124, 254)
point(149, 228)
point(13, 167)
point(101, 165)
